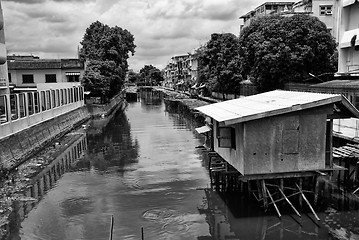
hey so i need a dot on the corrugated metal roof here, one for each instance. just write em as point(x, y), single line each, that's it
point(269, 104)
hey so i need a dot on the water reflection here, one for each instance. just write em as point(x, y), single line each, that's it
point(143, 167)
point(151, 100)
point(45, 180)
point(112, 148)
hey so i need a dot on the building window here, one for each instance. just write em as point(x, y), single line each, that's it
point(226, 137)
point(73, 76)
point(9, 76)
point(50, 78)
point(326, 10)
point(27, 78)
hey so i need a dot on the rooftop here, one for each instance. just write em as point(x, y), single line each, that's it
point(347, 84)
point(27, 64)
point(274, 103)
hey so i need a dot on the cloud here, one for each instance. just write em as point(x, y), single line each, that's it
point(162, 28)
point(25, 1)
point(213, 10)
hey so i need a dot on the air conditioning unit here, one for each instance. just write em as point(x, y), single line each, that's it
point(329, 12)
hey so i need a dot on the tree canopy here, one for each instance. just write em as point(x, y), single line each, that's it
point(276, 49)
point(151, 74)
point(106, 50)
point(219, 63)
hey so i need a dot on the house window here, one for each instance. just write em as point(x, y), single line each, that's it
point(73, 76)
point(226, 137)
point(325, 10)
point(9, 76)
point(50, 78)
point(27, 78)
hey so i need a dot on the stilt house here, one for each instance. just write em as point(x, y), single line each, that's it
point(277, 133)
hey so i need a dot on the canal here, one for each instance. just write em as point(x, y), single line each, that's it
point(144, 167)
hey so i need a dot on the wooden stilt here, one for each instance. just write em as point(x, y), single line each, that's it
point(356, 174)
point(260, 195)
point(264, 193)
point(249, 186)
point(316, 190)
point(281, 184)
point(275, 205)
point(300, 195)
point(295, 210)
point(306, 200)
point(339, 172)
point(346, 172)
point(111, 228)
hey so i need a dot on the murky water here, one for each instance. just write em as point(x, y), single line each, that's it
point(143, 167)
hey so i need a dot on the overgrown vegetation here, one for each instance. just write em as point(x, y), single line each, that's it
point(105, 50)
point(271, 51)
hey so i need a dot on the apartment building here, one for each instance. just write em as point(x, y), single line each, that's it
point(324, 10)
point(267, 8)
point(181, 70)
point(348, 54)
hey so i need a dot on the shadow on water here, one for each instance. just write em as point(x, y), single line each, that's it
point(45, 180)
point(231, 215)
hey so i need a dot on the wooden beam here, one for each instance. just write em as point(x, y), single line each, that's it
point(285, 197)
point(264, 194)
point(306, 200)
point(275, 205)
point(281, 199)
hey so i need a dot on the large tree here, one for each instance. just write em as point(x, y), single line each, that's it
point(219, 63)
point(106, 50)
point(275, 50)
point(151, 74)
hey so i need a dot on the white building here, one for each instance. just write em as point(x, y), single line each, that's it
point(4, 84)
point(181, 70)
point(324, 10)
point(27, 71)
point(348, 54)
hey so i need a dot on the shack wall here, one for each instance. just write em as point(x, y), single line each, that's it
point(285, 143)
point(233, 156)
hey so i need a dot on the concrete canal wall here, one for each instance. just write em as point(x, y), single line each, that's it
point(16, 148)
point(101, 110)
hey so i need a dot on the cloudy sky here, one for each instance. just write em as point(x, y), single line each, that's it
point(162, 28)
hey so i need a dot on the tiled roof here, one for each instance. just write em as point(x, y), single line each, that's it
point(45, 64)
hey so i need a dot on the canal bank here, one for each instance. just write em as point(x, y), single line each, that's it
point(337, 202)
point(183, 103)
point(26, 153)
point(144, 167)
point(17, 148)
point(29, 181)
point(115, 177)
